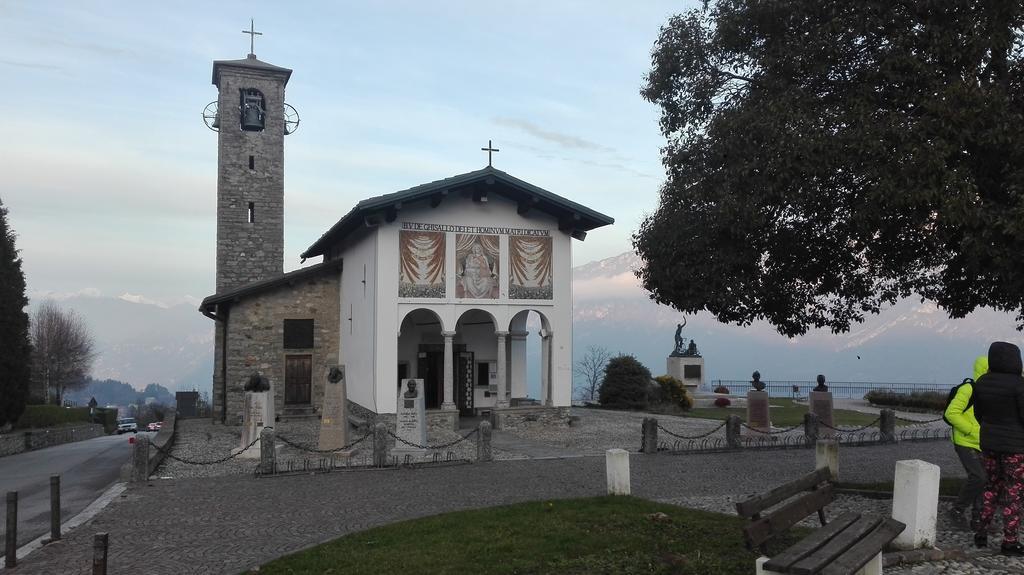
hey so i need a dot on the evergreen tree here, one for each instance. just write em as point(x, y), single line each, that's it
point(626, 383)
point(15, 351)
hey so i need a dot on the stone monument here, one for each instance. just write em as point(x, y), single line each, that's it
point(411, 419)
point(257, 413)
point(820, 402)
point(334, 417)
point(758, 416)
point(685, 363)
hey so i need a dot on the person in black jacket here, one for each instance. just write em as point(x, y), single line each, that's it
point(999, 407)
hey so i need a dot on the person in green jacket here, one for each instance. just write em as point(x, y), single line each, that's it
point(967, 443)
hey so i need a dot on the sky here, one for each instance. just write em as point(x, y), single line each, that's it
point(109, 172)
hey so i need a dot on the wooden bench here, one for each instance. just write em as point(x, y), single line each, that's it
point(850, 544)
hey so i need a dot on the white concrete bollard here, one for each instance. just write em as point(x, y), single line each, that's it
point(617, 465)
point(826, 454)
point(915, 502)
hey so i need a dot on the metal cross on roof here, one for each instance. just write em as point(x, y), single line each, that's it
point(489, 149)
point(252, 37)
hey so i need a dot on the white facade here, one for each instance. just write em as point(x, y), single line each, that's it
point(383, 333)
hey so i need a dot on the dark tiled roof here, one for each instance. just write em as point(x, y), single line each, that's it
point(252, 63)
point(270, 283)
point(582, 218)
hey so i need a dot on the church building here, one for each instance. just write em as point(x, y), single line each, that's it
point(435, 282)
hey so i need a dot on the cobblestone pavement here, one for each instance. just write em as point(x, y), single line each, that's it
point(230, 524)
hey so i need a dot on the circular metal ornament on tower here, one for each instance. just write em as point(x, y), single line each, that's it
point(291, 119)
point(210, 116)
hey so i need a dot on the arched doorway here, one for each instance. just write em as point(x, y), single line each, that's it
point(421, 354)
point(529, 373)
point(476, 362)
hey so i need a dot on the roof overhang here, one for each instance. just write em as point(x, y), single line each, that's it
point(210, 306)
point(573, 219)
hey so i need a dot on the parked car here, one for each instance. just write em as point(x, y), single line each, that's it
point(155, 426)
point(126, 425)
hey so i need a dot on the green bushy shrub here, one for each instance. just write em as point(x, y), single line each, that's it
point(626, 384)
point(673, 392)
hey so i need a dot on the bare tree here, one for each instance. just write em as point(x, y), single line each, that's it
point(590, 369)
point(62, 351)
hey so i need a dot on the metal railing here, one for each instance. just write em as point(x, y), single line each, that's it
point(843, 389)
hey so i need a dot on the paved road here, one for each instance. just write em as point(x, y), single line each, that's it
point(86, 468)
point(229, 524)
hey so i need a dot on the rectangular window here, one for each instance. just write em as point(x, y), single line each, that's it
point(252, 162)
point(691, 371)
point(298, 334)
point(252, 212)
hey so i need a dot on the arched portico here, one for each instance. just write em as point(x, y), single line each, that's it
point(530, 327)
point(421, 346)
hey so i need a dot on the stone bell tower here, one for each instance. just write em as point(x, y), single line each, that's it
point(251, 120)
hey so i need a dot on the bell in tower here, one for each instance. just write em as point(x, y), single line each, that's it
point(253, 110)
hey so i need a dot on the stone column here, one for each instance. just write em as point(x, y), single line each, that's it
point(545, 367)
point(449, 372)
point(617, 471)
point(502, 383)
point(826, 455)
point(649, 440)
point(887, 426)
point(483, 442)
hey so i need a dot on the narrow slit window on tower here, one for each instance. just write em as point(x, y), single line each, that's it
point(252, 162)
point(252, 212)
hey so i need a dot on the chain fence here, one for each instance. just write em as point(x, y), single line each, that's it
point(228, 457)
point(306, 448)
point(434, 447)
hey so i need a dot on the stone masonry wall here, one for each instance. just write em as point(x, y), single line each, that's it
point(248, 252)
point(255, 338)
point(18, 442)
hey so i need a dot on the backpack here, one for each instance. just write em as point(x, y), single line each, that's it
point(952, 394)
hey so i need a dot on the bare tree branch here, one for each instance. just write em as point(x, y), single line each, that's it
point(590, 368)
point(62, 351)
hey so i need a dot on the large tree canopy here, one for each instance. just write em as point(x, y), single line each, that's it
point(826, 158)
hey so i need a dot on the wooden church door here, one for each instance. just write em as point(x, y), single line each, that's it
point(298, 379)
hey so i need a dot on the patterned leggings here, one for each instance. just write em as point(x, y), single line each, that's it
point(1006, 478)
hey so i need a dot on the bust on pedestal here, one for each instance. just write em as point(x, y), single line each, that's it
point(410, 419)
point(758, 416)
point(820, 402)
point(685, 363)
point(334, 417)
point(257, 413)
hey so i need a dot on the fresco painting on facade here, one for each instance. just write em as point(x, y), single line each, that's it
point(478, 262)
point(422, 270)
point(531, 271)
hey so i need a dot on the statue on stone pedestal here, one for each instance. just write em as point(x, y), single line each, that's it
point(679, 350)
point(410, 392)
point(821, 384)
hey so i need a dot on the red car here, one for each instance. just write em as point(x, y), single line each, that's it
point(155, 426)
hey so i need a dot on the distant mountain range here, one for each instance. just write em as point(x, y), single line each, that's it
point(142, 342)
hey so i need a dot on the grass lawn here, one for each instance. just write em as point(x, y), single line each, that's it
point(785, 413)
point(573, 536)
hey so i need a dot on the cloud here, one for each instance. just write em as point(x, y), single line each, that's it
point(624, 285)
point(564, 140)
point(31, 65)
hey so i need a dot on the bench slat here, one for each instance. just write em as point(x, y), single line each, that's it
point(761, 530)
point(859, 555)
point(837, 546)
point(811, 543)
point(756, 504)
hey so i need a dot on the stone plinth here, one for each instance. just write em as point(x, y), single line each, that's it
point(820, 403)
point(257, 413)
point(617, 467)
point(334, 418)
point(758, 416)
point(915, 502)
point(826, 456)
point(689, 370)
point(410, 419)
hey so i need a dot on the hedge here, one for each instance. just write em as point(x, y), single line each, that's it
point(923, 400)
point(37, 416)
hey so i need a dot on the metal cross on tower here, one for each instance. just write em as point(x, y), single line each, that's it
point(252, 37)
point(489, 149)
